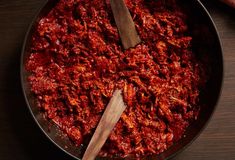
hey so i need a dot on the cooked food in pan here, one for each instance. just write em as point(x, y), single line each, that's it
point(77, 61)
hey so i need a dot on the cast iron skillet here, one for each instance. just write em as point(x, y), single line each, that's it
point(205, 42)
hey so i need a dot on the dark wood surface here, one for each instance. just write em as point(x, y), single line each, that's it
point(20, 137)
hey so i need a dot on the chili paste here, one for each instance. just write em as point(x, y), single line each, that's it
point(77, 61)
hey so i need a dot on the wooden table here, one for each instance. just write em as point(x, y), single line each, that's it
point(20, 137)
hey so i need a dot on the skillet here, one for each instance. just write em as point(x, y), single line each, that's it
point(205, 41)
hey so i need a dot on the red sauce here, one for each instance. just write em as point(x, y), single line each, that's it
point(77, 61)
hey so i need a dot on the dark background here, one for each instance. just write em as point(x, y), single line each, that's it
point(21, 138)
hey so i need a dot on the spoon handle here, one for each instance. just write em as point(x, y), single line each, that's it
point(109, 119)
point(125, 24)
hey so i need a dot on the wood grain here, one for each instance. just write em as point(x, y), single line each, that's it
point(21, 139)
point(125, 24)
point(107, 122)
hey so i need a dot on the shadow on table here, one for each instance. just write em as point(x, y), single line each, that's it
point(218, 6)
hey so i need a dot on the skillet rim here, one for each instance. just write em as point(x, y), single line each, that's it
point(182, 148)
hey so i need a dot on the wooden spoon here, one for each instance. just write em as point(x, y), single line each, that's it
point(109, 119)
point(125, 24)
point(116, 106)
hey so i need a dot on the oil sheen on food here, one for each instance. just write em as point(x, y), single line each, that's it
point(77, 61)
